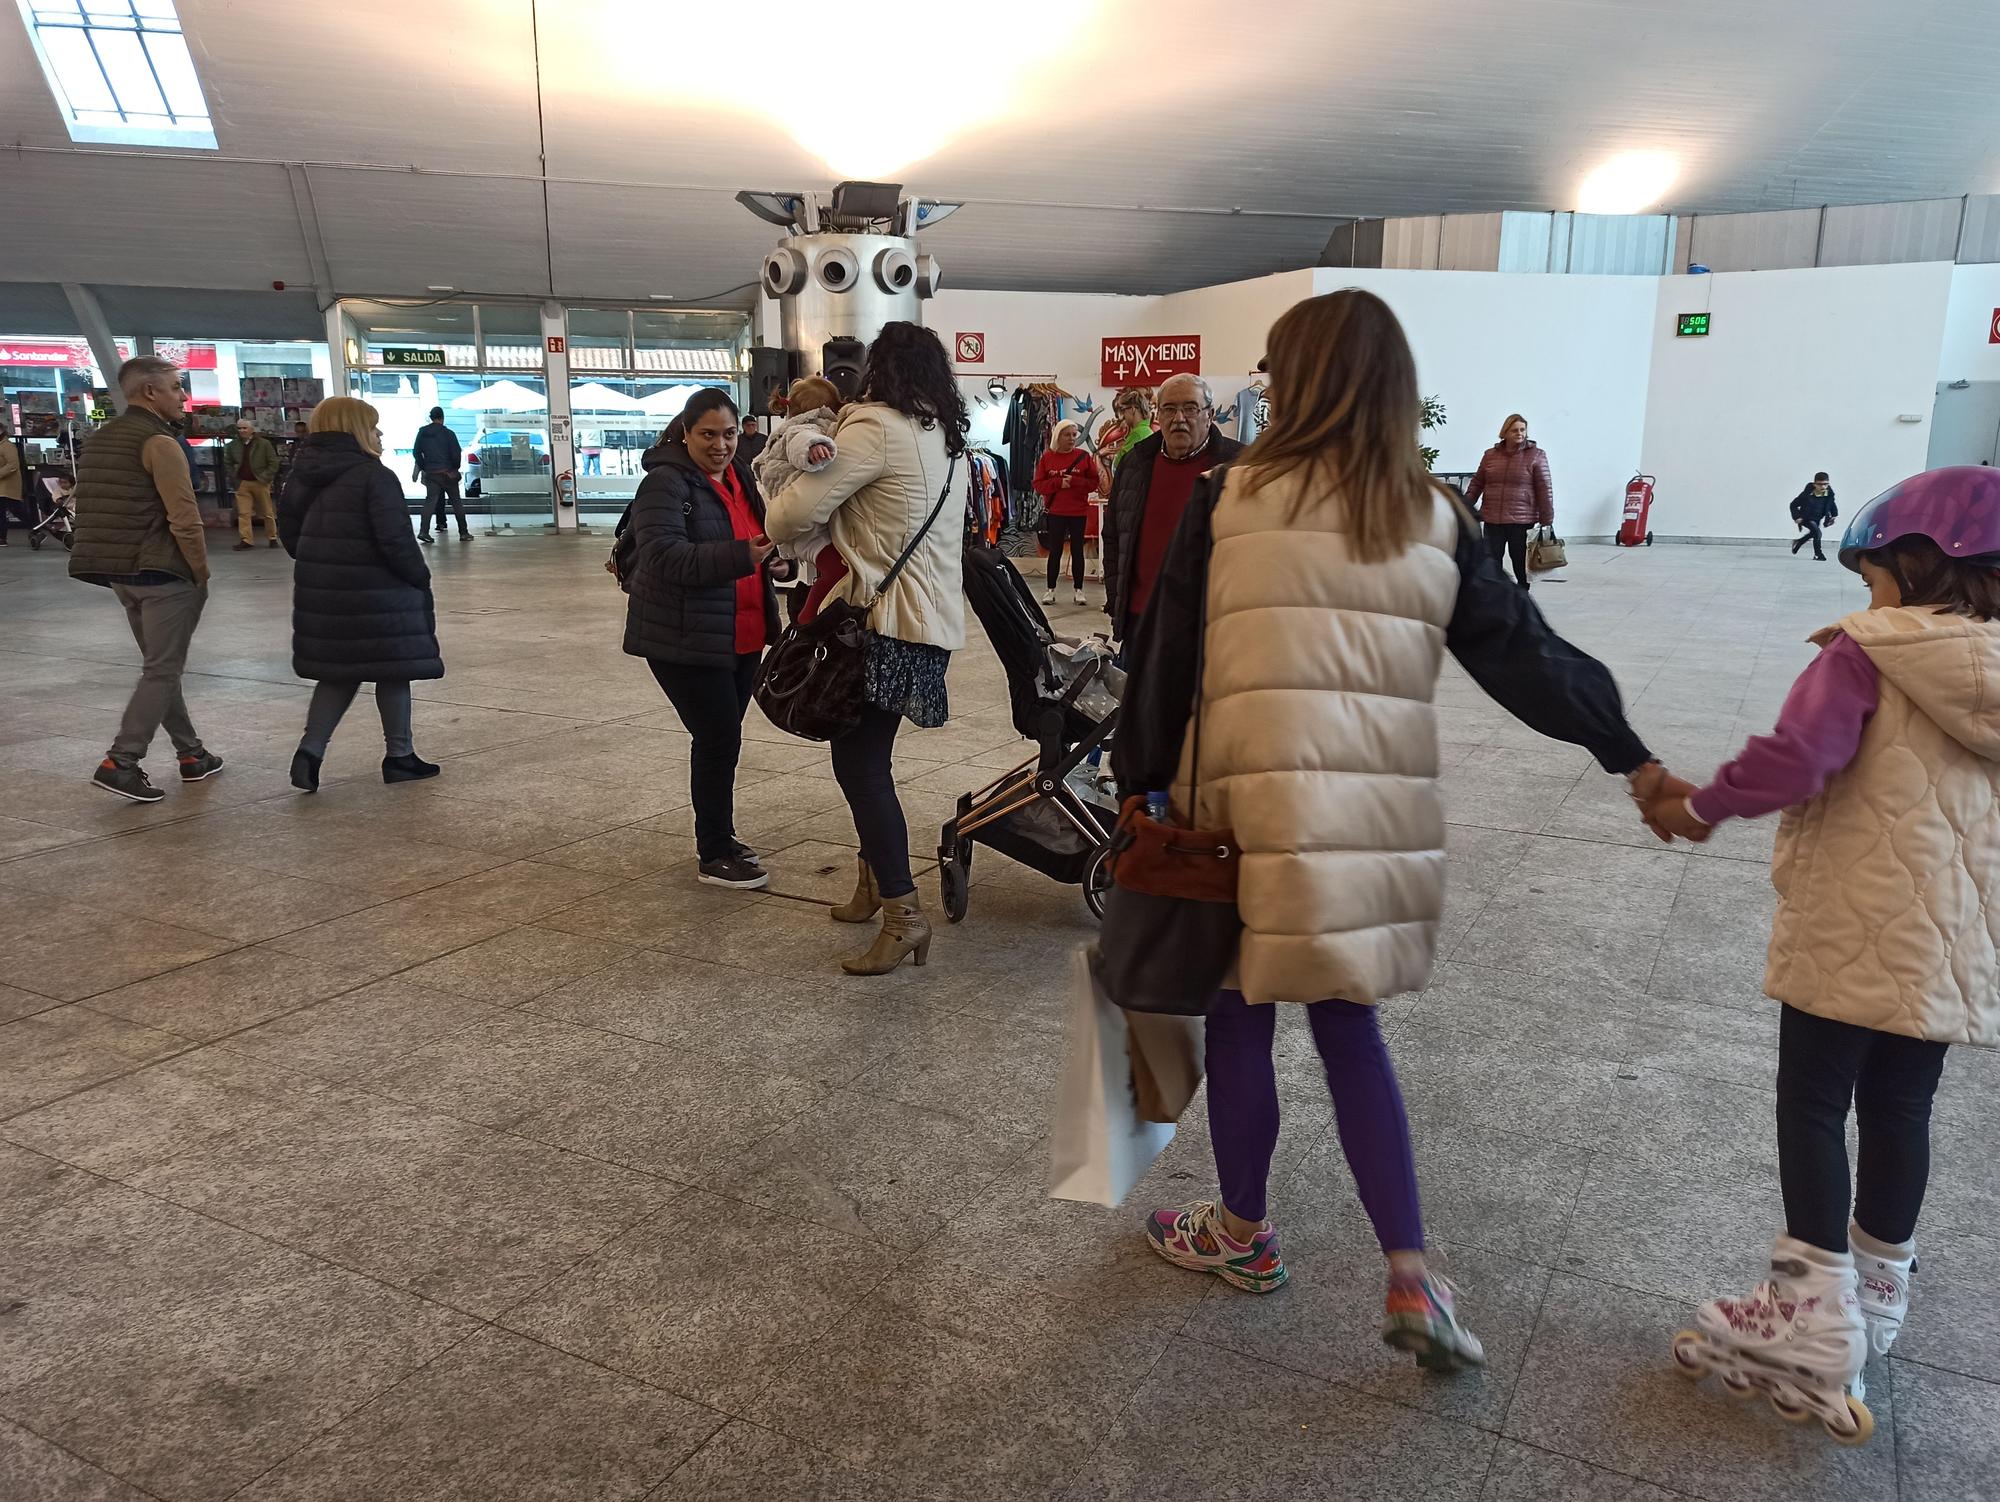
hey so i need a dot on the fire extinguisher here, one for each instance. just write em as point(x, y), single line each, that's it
point(566, 488)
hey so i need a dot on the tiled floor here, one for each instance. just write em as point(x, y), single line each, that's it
point(447, 1141)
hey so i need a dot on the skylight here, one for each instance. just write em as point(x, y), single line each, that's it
point(121, 71)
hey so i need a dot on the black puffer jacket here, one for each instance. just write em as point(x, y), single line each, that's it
point(686, 559)
point(361, 592)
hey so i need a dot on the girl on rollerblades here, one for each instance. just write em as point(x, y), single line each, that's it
point(1884, 952)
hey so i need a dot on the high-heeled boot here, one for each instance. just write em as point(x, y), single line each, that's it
point(867, 899)
point(905, 931)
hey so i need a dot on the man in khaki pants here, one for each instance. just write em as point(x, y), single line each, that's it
point(253, 460)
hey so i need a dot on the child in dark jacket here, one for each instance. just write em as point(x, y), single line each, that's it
point(1813, 509)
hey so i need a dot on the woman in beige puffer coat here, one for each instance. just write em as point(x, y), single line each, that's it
point(1326, 575)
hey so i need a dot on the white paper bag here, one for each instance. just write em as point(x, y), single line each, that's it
point(1099, 1148)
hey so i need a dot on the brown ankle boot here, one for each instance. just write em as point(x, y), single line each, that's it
point(867, 899)
point(905, 930)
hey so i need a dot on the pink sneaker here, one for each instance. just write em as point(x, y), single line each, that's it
point(1194, 1238)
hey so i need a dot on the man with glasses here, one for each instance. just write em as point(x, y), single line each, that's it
point(1150, 492)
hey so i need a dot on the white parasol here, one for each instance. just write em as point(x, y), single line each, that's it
point(595, 396)
point(501, 396)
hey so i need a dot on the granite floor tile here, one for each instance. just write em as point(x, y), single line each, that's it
point(1521, 1473)
point(1524, 1087)
point(775, 1020)
point(1301, 1437)
point(181, 1355)
point(697, 1326)
point(624, 853)
point(15, 1004)
point(517, 966)
point(445, 1209)
point(656, 912)
point(50, 1054)
point(1953, 1322)
point(977, 1389)
point(988, 1070)
point(21, 836)
point(521, 892)
point(119, 952)
point(1681, 1237)
point(745, 1463)
point(498, 1416)
point(1600, 1386)
point(379, 941)
point(247, 905)
point(1947, 1434)
point(232, 991)
point(32, 1468)
point(359, 1032)
point(871, 1168)
point(1678, 1123)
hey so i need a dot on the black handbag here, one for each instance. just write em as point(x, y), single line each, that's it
point(813, 684)
point(1171, 926)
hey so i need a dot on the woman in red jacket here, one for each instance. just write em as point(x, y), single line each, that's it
point(1066, 477)
point(1513, 483)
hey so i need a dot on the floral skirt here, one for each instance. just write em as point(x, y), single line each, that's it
point(907, 678)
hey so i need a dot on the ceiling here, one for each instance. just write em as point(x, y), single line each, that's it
point(589, 149)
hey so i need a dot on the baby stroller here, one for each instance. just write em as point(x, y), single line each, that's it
point(54, 516)
point(1045, 813)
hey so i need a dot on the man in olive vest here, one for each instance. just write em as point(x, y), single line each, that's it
point(138, 533)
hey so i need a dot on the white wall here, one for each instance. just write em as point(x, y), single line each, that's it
point(1967, 353)
point(1051, 335)
point(1802, 371)
point(1571, 353)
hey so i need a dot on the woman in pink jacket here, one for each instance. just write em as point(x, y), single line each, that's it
point(1511, 493)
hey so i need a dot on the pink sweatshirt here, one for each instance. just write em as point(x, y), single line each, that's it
point(1818, 732)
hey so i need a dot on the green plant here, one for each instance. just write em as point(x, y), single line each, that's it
point(1433, 417)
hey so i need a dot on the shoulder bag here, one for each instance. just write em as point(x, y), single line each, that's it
point(813, 684)
point(1171, 928)
point(1546, 551)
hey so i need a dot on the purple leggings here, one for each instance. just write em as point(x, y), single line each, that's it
point(1367, 1109)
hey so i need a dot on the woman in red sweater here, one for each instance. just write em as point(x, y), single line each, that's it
point(1066, 477)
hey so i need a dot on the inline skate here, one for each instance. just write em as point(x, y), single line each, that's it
point(1884, 1269)
point(1798, 1338)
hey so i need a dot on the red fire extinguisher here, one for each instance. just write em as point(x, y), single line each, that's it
point(1638, 513)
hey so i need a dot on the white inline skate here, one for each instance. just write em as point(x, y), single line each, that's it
point(1884, 1269)
point(1798, 1338)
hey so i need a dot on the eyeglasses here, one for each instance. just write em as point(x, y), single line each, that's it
point(1184, 409)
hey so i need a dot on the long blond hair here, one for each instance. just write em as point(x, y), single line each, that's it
point(1345, 413)
point(350, 415)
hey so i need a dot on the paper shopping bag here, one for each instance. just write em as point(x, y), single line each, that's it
point(1099, 1147)
point(1166, 1055)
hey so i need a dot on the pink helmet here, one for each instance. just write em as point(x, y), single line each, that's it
point(1956, 508)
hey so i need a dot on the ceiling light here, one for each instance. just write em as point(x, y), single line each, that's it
point(661, 296)
point(1630, 183)
point(435, 288)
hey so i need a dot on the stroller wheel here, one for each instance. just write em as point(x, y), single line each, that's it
point(1097, 882)
point(954, 890)
point(68, 541)
point(34, 539)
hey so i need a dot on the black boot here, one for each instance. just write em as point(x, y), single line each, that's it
point(411, 768)
point(305, 771)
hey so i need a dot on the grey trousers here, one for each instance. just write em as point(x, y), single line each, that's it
point(330, 701)
point(163, 618)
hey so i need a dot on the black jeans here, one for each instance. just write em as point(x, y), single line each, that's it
point(440, 486)
point(1824, 1065)
point(711, 702)
point(22, 511)
point(1066, 529)
point(1812, 535)
point(861, 765)
point(1506, 540)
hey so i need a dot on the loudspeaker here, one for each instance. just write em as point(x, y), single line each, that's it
point(772, 372)
point(840, 363)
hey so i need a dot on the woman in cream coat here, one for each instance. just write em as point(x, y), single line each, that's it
point(1326, 574)
point(895, 469)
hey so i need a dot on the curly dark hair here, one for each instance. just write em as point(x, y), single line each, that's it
point(907, 370)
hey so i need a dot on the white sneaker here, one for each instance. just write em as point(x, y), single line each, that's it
point(1048, 597)
point(1080, 598)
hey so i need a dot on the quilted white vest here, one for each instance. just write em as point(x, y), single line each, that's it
point(1889, 881)
point(1319, 746)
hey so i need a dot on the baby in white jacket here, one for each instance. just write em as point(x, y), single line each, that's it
point(801, 444)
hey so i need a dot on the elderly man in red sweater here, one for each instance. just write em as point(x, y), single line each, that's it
point(1150, 492)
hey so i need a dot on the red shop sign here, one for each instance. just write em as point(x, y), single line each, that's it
point(1993, 334)
point(1150, 360)
point(74, 354)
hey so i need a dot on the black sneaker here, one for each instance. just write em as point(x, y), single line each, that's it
point(126, 782)
point(733, 871)
point(201, 766)
point(745, 854)
point(423, 537)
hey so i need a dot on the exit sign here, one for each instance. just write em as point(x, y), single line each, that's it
point(433, 357)
point(1692, 326)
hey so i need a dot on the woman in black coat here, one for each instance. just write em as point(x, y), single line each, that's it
point(702, 610)
point(361, 592)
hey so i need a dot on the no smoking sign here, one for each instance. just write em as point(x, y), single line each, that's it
point(971, 349)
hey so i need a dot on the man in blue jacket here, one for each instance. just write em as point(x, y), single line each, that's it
point(436, 457)
point(1813, 509)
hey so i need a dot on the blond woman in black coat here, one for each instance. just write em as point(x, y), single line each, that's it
point(361, 591)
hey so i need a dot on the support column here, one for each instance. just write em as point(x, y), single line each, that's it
point(562, 429)
point(336, 352)
point(103, 348)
